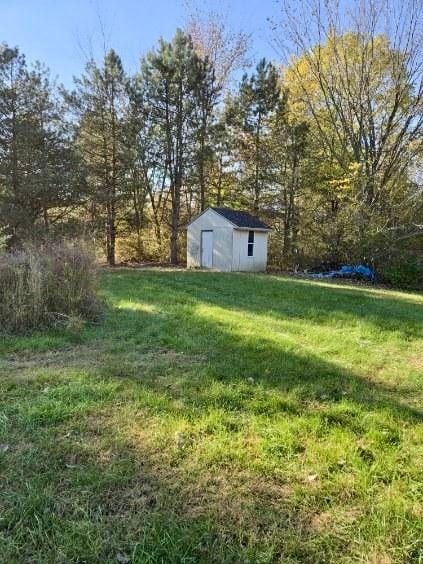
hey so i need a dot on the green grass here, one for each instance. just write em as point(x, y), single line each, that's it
point(217, 418)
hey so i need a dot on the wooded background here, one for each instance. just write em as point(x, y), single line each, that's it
point(325, 143)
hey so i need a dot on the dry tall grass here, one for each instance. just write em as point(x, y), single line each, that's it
point(40, 286)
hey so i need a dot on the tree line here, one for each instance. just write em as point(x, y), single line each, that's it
point(324, 144)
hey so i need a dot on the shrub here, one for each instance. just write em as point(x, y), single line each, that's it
point(46, 285)
point(406, 273)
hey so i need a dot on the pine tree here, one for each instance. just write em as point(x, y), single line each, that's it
point(171, 78)
point(249, 114)
point(38, 166)
point(101, 101)
point(207, 95)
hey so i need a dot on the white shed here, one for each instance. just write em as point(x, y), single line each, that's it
point(227, 240)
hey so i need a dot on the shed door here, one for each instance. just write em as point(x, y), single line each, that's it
point(207, 249)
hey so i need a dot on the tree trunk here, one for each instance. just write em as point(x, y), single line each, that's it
point(174, 247)
point(46, 219)
point(219, 183)
point(201, 175)
point(111, 235)
point(175, 223)
point(138, 204)
point(257, 167)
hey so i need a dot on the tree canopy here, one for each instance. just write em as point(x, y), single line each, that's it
point(324, 144)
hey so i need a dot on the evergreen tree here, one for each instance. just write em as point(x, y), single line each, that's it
point(249, 114)
point(171, 77)
point(101, 101)
point(206, 97)
point(39, 178)
point(288, 153)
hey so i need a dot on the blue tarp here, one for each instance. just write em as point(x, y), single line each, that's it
point(349, 271)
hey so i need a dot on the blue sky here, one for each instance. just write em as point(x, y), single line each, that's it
point(62, 33)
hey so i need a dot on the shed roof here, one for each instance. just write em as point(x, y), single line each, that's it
point(241, 218)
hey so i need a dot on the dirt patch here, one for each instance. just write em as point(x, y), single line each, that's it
point(139, 496)
point(69, 356)
point(134, 265)
point(328, 520)
point(417, 362)
point(84, 356)
point(380, 558)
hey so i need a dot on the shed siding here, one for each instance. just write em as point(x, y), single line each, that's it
point(230, 245)
point(222, 241)
point(241, 261)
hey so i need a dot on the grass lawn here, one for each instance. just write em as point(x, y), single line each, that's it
point(217, 418)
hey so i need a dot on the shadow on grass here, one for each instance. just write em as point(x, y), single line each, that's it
point(230, 356)
point(242, 518)
point(154, 501)
point(100, 493)
point(318, 303)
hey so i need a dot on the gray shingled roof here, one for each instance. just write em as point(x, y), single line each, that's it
point(241, 219)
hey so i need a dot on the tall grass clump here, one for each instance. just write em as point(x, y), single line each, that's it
point(45, 285)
